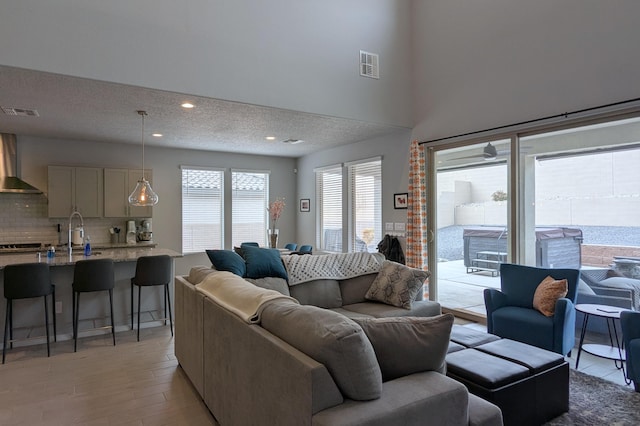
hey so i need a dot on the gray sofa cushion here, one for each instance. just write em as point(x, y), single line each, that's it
point(320, 293)
point(397, 284)
point(271, 283)
point(425, 308)
point(332, 339)
point(408, 345)
point(354, 289)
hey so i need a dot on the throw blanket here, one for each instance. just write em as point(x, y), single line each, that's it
point(304, 268)
point(239, 296)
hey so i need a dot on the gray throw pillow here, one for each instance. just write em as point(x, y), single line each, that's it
point(331, 339)
point(396, 284)
point(407, 345)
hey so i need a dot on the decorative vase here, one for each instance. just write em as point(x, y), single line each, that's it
point(273, 238)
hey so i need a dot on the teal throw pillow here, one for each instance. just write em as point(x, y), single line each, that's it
point(263, 262)
point(227, 260)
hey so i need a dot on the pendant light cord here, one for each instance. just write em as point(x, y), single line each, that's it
point(142, 113)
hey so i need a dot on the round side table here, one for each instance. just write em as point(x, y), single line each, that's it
point(614, 350)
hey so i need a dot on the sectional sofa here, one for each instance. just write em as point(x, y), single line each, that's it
point(319, 350)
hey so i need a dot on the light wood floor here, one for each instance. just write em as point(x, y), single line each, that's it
point(133, 383)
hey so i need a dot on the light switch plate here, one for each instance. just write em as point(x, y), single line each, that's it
point(388, 226)
point(399, 226)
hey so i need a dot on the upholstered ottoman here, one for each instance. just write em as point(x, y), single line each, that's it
point(529, 384)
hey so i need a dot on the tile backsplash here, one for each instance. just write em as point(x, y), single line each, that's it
point(24, 219)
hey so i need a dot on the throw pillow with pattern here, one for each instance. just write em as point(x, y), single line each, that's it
point(547, 294)
point(396, 284)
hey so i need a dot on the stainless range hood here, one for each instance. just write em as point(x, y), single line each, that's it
point(9, 182)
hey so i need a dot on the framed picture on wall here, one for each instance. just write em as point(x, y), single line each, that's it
point(305, 205)
point(400, 201)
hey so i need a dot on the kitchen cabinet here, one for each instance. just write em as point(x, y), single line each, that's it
point(118, 184)
point(75, 188)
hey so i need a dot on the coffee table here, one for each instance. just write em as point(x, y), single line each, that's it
point(614, 350)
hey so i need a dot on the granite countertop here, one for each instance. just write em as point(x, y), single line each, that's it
point(128, 253)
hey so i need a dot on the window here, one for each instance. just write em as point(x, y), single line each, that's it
point(329, 193)
point(365, 179)
point(364, 216)
point(202, 217)
point(250, 195)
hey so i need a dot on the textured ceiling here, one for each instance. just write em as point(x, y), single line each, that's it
point(89, 110)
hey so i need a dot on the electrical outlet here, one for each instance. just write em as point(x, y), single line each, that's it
point(58, 307)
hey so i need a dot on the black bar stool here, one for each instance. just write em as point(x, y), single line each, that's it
point(24, 282)
point(153, 271)
point(88, 276)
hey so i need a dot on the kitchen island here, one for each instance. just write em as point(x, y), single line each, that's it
point(28, 313)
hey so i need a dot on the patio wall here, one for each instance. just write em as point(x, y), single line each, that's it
point(602, 256)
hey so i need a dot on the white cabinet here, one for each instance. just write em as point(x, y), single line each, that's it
point(118, 184)
point(75, 188)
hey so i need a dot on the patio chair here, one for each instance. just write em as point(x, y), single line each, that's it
point(510, 311)
point(630, 321)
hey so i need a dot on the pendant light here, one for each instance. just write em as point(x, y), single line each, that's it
point(143, 195)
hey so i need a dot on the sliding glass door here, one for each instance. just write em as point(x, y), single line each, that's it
point(556, 197)
point(471, 227)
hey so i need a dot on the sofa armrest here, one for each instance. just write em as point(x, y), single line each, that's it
point(188, 330)
point(493, 299)
point(622, 298)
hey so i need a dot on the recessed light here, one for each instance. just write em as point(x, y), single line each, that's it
point(157, 135)
point(187, 105)
point(270, 138)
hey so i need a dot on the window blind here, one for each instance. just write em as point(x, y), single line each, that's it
point(365, 192)
point(329, 193)
point(202, 214)
point(249, 198)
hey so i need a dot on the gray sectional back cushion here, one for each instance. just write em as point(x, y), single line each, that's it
point(271, 283)
point(408, 345)
point(354, 289)
point(331, 339)
point(321, 293)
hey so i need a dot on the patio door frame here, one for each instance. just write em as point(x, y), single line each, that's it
point(517, 220)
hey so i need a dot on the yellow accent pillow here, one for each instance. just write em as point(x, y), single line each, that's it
point(547, 294)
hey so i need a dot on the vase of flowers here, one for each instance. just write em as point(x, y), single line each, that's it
point(275, 211)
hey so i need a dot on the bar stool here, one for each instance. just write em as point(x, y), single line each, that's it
point(153, 271)
point(92, 275)
point(25, 281)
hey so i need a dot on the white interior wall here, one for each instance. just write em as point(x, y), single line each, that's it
point(482, 64)
point(294, 54)
point(394, 150)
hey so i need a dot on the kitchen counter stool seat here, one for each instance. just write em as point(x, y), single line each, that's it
point(153, 271)
point(25, 281)
point(92, 275)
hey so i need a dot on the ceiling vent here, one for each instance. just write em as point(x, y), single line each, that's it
point(369, 65)
point(20, 112)
point(293, 141)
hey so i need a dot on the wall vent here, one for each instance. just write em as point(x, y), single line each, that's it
point(20, 112)
point(369, 65)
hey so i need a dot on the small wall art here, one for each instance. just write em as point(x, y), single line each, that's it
point(305, 205)
point(400, 201)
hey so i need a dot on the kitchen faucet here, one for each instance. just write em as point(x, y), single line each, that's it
point(75, 213)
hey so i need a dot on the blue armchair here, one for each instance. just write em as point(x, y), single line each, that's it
point(510, 311)
point(630, 321)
